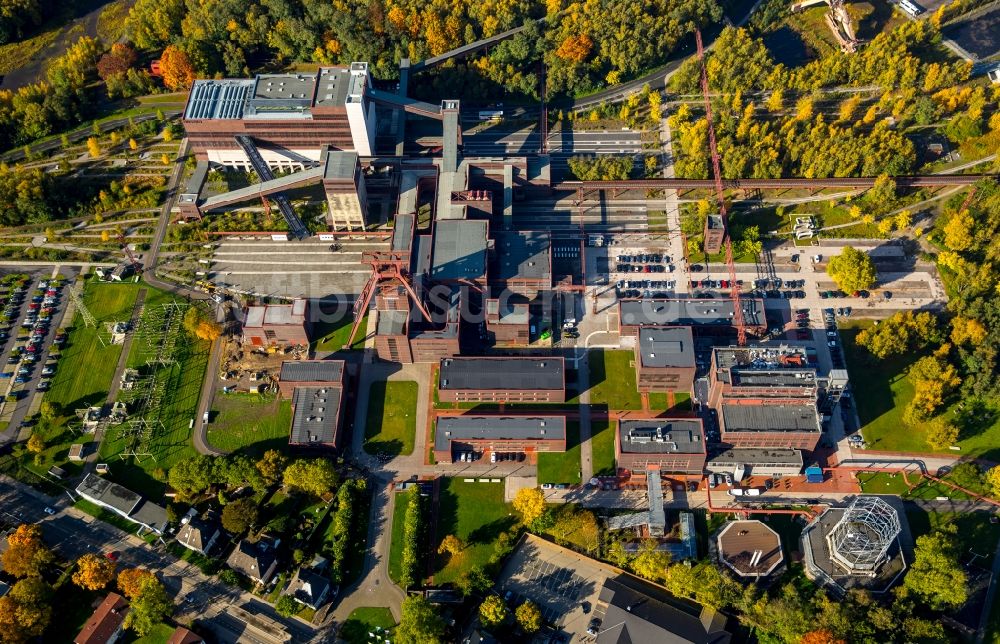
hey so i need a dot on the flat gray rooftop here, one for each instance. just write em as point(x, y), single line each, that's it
point(522, 254)
point(666, 347)
point(661, 436)
point(391, 322)
point(688, 312)
point(509, 312)
point(755, 455)
point(340, 164)
point(459, 249)
point(331, 91)
point(312, 371)
point(503, 374)
point(284, 86)
point(769, 418)
point(402, 232)
point(316, 415)
point(478, 428)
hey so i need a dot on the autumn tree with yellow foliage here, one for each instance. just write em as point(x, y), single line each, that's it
point(200, 326)
point(93, 572)
point(530, 503)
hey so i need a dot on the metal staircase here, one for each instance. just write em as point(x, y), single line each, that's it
point(295, 225)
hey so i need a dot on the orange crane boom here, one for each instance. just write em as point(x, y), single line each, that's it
point(738, 321)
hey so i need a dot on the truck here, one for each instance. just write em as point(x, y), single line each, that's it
point(736, 491)
point(752, 491)
point(595, 240)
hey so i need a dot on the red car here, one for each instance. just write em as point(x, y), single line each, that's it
point(113, 556)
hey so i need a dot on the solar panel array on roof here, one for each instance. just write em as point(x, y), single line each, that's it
point(219, 99)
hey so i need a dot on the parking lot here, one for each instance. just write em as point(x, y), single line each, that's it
point(565, 585)
point(34, 313)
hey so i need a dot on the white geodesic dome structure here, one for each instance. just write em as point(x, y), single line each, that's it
point(862, 538)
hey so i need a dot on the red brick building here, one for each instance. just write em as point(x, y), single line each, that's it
point(664, 359)
point(528, 435)
point(509, 323)
point(674, 445)
point(310, 373)
point(769, 422)
point(317, 389)
point(277, 324)
point(502, 379)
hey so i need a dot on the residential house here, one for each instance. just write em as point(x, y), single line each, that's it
point(254, 559)
point(105, 626)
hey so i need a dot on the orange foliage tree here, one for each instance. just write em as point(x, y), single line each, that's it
point(821, 636)
point(176, 67)
point(575, 48)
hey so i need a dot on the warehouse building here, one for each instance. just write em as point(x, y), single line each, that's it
point(665, 359)
point(502, 379)
point(277, 324)
point(310, 373)
point(770, 422)
point(704, 316)
point(522, 263)
point(317, 391)
point(675, 445)
point(528, 435)
point(508, 323)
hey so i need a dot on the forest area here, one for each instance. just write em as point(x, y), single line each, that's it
point(774, 121)
point(585, 44)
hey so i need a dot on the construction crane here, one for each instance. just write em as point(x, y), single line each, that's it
point(738, 321)
point(128, 252)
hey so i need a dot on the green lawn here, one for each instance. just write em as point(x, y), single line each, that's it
point(362, 621)
point(562, 467)
point(249, 423)
point(882, 390)
point(86, 366)
point(923, 488)
point(883, 483)
point(602, 443)
point(660, 401)
point(476, 514)
point(159, 635)
point(391, 424)
point(332, 336)
point(396, 545)
point(612, 380)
